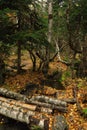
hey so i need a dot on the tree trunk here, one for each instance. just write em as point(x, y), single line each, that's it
point(30, 107)
point(17, 96)
point(2, 71)
point(84, 60)
point(19, 42)
point(58, 53)
point(50, 19)
point(33, 58)
point(52, 106)
point(10, 94)
point(21, 112)
point(50, 24)
point(19, 57)
point(15, 112)
point(50, 100)
point(81, 68)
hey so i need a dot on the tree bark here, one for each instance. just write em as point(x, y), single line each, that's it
point(50, 100)
point(52, 106)
point(33, 58)
point(18, 103)
point(15, 112)
point(50, 19)
point(2, 71)
point(83, 66)
point(69, 100)
point(19, 43)
point(22, 112)
point(32, 107)
point(58, 54)
point(26, 106)
point(9, 94)
point(50, 24)
point(19, 57)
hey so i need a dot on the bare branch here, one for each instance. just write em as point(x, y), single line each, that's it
point(58, 54)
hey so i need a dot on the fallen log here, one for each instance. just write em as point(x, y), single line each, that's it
point(24, 105)
point(10, 94)
point(22, 114)
point(17, 103)
point(52, 106)
point(50, 100)
point(69, 100)
point(41, 123)
point(14, 112)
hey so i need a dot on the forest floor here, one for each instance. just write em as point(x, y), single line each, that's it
point(17, 82)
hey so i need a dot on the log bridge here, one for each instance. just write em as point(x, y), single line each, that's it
point(30, 110)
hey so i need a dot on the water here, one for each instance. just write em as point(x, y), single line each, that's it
point(14, 126)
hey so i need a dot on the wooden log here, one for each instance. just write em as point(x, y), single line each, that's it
point(69, 100)
point(10, 94)
point(18, 103)
point(17, 113)
point(22, 114)
point(41, 107)
point(24, 105)
point(42, 122)
point(50, 100)
point(17, 96)
point(52, 106)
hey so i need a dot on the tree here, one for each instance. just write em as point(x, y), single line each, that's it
point(27, 25)
point(50, 21)
point(28, 28)
point(68, 29)
point(6, 28)
point(75, 24)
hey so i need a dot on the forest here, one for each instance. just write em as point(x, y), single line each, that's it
point(43, 64)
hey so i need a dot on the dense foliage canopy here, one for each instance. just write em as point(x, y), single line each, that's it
point(28, 24)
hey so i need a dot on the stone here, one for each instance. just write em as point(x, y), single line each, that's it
point(59, 123)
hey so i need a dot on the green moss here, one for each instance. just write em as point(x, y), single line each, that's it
point(34, 127)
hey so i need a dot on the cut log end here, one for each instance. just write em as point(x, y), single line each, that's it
point(41, 122)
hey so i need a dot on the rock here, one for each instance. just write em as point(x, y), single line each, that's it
point(59, 123)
